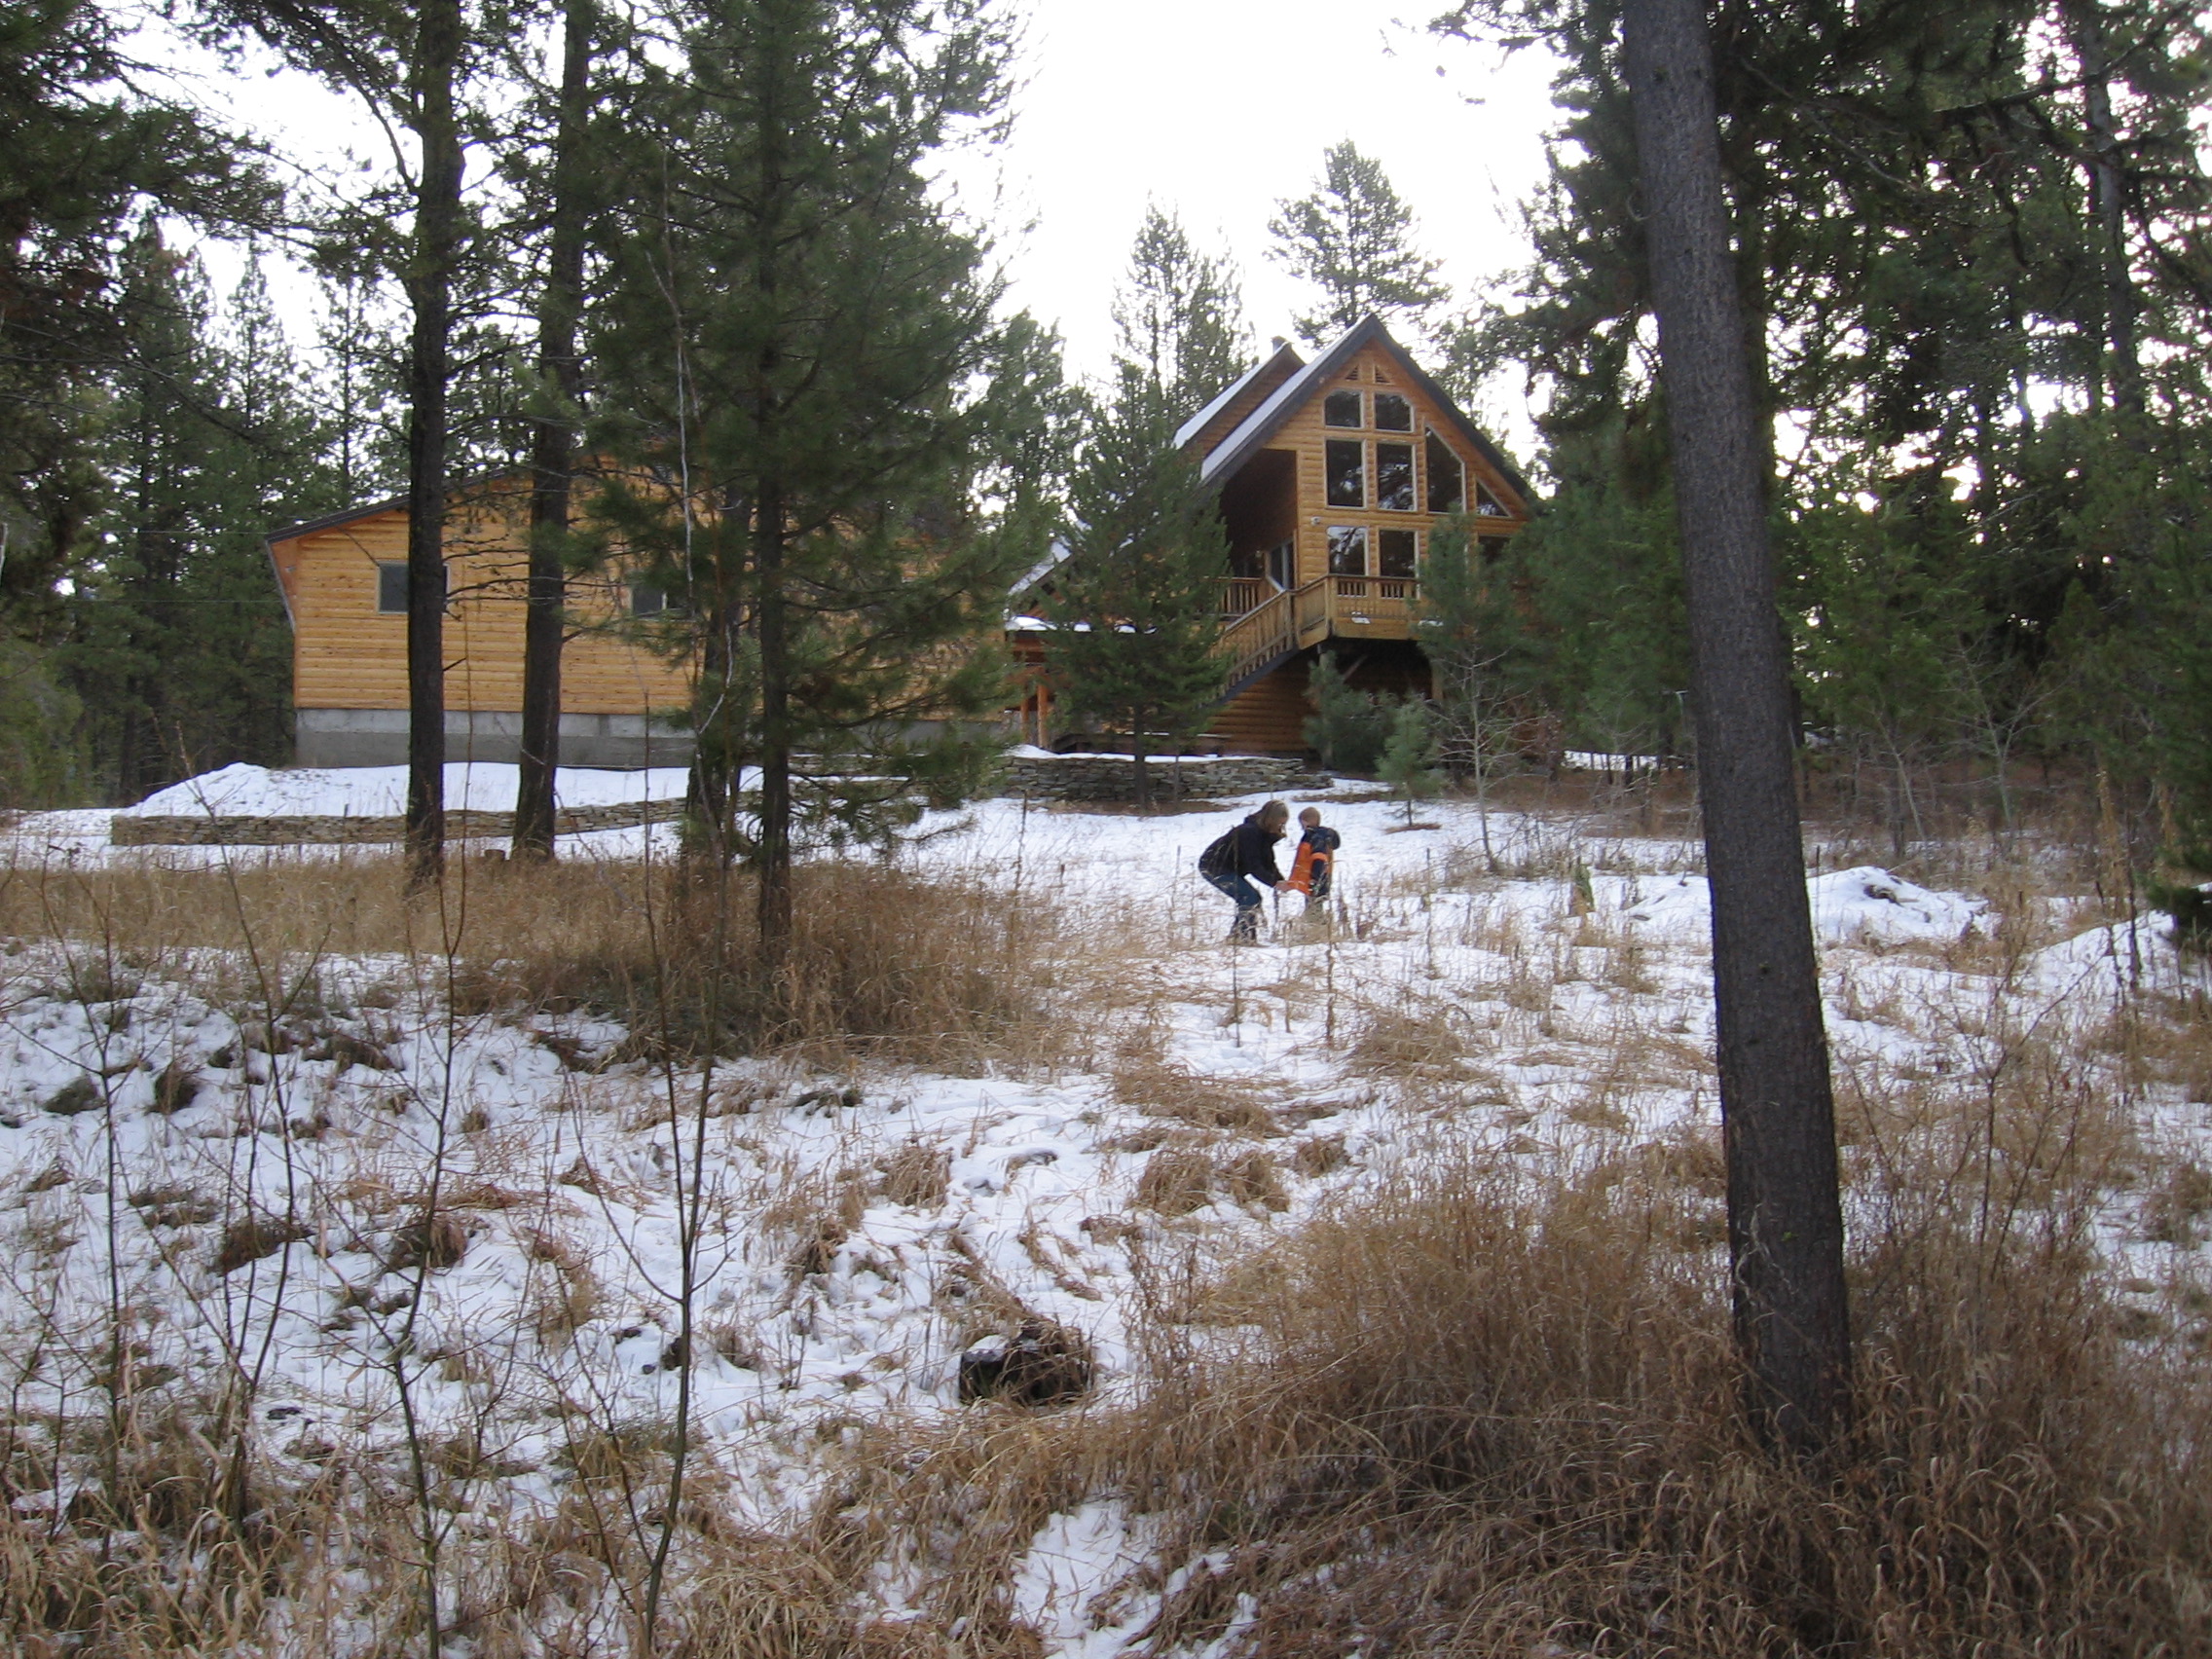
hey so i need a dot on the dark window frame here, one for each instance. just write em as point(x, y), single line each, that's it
point(1343, 539)
point(1335, 475)
point(1409, 542)
point(1431, 446)
point(1394, 492)
point(637, 593)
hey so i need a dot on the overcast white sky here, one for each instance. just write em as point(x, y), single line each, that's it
point(1216, 108)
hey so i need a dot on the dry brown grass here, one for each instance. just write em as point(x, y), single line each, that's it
point(943, 972)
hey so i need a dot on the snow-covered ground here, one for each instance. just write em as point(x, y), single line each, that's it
point(866, 1225)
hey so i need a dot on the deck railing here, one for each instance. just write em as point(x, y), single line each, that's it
point(1240, 595)
point(1369, 607)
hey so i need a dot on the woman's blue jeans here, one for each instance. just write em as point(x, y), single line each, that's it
point(1246, 928)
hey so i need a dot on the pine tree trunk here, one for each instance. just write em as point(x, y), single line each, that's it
point(772, 851)
point(2123, 361)
point(1785, 1216)
point(553, 451)
point(431, 257)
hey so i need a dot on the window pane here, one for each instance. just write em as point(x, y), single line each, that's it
point(645, 599)
point(1447, 479)
point(1347, 470)
point(1341, 409)
point(1347, 550)
point(391, 589)
point(1394, 551)
point(1394, 478)
point(1393, 413)
point(1487, 504)
point(1282, 565)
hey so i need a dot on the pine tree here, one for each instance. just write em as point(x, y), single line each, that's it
point(1470, 628)
point(1348, 727)
point(179, 653)
point(411, 65)
point(791, 345)
point(557, 413)
point(87, 152)
point(1410, 755)
point(1179, 318)
point(1353, 239)
point(1136, 603)
point(1785, 1207)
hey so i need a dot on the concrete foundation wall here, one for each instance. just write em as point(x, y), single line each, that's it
point(378, 737)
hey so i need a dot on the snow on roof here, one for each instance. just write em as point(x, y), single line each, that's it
point(1292, 390)
point(1055, 556)
point(1196, 423)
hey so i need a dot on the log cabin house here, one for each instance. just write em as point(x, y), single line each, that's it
point(344, 580)
point(1331, 475)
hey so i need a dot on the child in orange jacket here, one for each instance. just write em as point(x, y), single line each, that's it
point(1316, 858)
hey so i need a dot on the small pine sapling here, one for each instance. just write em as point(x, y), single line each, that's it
point(1409, 758)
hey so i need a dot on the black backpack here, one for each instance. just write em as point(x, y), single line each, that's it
point(1220, 857)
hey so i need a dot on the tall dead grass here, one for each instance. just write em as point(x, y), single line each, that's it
point(936, 971)
point(1481, 1420)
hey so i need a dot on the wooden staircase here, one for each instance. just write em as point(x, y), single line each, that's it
point(1263, 711)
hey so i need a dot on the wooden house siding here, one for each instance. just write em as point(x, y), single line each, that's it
point(348, 654)
point(1305, 434)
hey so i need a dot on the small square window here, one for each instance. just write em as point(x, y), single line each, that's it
point(391, 586)
point(1346, 466)
point(1347, 550)
point(1396, 553)
point(1394, 478)
point(1341, 409)
point(646, 600)
point(1393, 413)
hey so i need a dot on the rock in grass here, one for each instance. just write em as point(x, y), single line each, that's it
point(176, 1086)
point(1043, 1364)
point(433, 1241)
point(81, 1094)
point(253, 1236)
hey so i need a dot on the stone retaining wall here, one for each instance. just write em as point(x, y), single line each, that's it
point(208, 830)
point(1102, 777)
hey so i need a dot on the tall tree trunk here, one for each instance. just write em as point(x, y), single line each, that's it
point(772, 852)
point(431, 257)
point(2123, 355)
point(1784, 1215)
point(553, 449)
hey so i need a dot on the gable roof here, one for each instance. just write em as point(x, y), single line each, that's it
point(331, 521)
point(1248, 390)
point(1253, 432)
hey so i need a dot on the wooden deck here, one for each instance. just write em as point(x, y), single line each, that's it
point(1362, 608)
